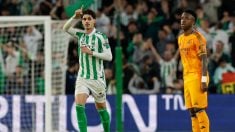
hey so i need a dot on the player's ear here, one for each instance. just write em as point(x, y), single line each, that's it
point(94, 22)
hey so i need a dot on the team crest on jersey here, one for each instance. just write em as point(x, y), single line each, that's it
point(83, 43)
point(91, 47)
point(189, 42)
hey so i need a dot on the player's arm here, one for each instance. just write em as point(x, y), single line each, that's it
point(106, 54)
point(204, 72)
point(201, 47)
point(204, 64)
point(68, 26)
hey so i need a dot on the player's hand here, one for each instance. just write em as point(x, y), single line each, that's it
point(204, 87)
point(78, 13)
point(85, 49)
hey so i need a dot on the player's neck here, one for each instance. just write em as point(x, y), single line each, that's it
point(188, 32)
point(88, 31)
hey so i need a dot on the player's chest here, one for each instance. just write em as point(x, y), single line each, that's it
point(89, 42)
point(186, 45)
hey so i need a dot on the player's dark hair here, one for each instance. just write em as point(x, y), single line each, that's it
point(191, 12)
point(89, 12)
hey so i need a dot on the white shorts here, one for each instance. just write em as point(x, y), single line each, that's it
point(97, 88)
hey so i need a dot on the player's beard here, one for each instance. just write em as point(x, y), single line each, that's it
point(186, 28)
point(88, 27)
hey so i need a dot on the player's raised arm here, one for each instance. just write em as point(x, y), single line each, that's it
point(68, 26)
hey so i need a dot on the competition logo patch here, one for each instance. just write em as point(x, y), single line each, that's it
point(106, 43)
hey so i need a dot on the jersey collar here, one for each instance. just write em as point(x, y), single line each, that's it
point(93, 31)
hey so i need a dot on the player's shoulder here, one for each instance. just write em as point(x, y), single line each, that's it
point(198, 35)
point(79, 32)
point(98, 32)
point(180, 35)
point(101, 35)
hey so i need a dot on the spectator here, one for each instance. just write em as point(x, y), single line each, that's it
point(176, 87)
point(128, 14)
point(32, 40)
point(219, 34)
point(132, 29)
point(135, 47)
point(175, 21)
point(14, 7)
point(225, 21)
point(164, 38)
point(205, 30)
point(137, 85)
point(165, 7)
point(4, 11)
point(200, 15)
point(211, 7)
point(219, 53)
point(232, 43)
point(168, 66)
point(110, 81)
point(151, 23)
point(45, 7)
point(12, 59)
point(40, 83)
point(128, 72)
point(18, 83)
point(26, 7)
point(149, 69)
point(102, 21)
point(224, 67)
point(58, 12)
point(71, 76)
point(2, 72)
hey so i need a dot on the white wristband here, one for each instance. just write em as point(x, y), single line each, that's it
point(204, 79)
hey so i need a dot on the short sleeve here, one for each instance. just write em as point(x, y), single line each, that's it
point(200, 44)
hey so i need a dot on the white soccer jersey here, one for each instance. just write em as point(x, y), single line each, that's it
point(91, 66)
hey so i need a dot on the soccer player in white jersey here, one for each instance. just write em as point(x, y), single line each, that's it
point(93, 49)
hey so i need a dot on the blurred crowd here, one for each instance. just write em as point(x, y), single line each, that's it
point(149, 31)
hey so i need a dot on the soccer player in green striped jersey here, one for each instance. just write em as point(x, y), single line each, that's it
point(93, 49)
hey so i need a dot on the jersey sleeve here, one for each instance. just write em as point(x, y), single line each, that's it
point(75, 32)
point(105, 53)
point(72, 31)
point(200, 44)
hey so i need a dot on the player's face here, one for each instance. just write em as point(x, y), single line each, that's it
point(88, 22)
point(187, 21)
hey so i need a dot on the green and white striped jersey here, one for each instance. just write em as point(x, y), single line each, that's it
point(91, 66)
point(168, 70)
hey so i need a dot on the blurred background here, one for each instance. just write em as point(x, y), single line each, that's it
point(151, 63)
